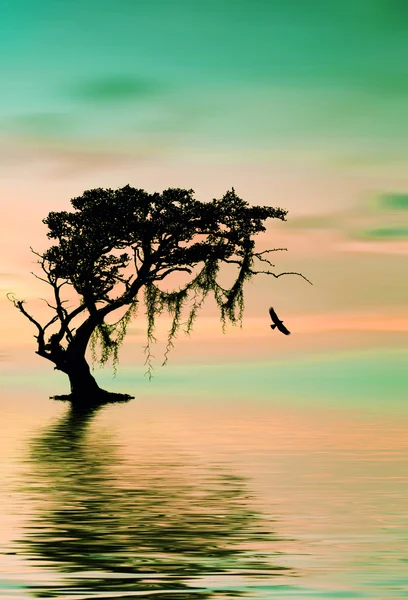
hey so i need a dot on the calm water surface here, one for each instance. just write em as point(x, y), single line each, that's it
point(199, 495)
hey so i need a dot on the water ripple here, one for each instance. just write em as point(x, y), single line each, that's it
point(163, 526)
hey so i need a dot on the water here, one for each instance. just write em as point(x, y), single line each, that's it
point(282, 493)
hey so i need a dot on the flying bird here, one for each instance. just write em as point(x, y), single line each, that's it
point(277, 322)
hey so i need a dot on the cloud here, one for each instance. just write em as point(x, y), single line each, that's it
point(397, 202)
point(55, 158)
point(379, 225)
point(313, 222)
point(387, 233)
point(109, 90)
point(42, 124)
point(374, 212)
point(374, 247)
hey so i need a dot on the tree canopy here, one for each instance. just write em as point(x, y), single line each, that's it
point(118, 244)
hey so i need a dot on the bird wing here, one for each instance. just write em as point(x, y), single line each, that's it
point(274, 316)
point(282, 328)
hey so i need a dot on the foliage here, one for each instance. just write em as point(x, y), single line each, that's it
point(117, 244)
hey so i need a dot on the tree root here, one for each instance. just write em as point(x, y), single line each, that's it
point(94, 399)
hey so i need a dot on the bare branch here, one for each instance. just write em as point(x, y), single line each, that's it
point(277, 275)
point(173, 270)
point(265, 260)
point(40, 337)
point(257, 254)
point(42, 278)
point(53, 320)
point(19, 304)
point(135, 258)
point(48, 304)
point(36, 253)
point(139, 256)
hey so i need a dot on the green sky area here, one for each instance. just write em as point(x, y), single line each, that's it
point(248, 76)
point(375, 379)
point(183, 88)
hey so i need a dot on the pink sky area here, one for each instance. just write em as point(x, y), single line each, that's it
point(358, 293)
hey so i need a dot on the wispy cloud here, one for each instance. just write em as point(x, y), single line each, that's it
point(116, 89)
point(387, 233)
point(398, 202)
point(39, 123)
point(377, 225)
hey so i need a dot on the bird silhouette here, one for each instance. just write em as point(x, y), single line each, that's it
point(277, 322)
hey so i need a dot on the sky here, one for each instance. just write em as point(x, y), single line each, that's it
point(294, 104)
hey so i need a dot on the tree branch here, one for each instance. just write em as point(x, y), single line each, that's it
point(41, 330)
point(277, 275)
point(258, 254)
point(161, 276)
point(48, 304)
point(41, 278)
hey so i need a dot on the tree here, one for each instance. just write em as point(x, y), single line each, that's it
point(117, 245)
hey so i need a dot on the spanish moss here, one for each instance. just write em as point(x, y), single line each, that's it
point(229, 301)
point(108, 339)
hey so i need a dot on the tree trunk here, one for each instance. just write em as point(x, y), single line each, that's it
point(83, 384)
point(84, 389)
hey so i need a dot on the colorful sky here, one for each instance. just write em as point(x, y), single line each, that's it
point(295, 104)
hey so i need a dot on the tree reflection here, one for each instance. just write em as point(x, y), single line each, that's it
point(165, 525)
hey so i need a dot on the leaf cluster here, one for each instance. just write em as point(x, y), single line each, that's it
point(158, 229)
point(115, 243)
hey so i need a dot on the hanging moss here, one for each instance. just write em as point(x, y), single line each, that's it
point(233, 307)
point(229, 301)
point(109, 338)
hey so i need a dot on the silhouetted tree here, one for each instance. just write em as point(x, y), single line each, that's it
point(118, 244)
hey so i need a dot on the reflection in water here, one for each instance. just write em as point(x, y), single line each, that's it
point(166, 525)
